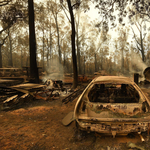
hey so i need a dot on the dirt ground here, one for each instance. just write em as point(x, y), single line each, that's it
point(36, 125)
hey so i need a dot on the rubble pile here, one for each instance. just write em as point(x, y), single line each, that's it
point(11, 96)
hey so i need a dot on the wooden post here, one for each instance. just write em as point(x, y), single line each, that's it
point(136, 78)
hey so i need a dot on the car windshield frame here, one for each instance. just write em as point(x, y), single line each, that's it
point(138, 90)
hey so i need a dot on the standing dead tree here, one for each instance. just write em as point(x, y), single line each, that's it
point(74, 59)
point(1, 44)
point(140, 40)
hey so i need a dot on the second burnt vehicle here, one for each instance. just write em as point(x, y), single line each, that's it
point(112, 105)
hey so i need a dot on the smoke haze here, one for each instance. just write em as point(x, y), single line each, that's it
point(54, 71)
point(137, 61)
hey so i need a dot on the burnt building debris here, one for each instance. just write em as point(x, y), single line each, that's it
point(9, 81)
point(73, 95)
point(55, 84)
point(11, 96)
point(10, 72)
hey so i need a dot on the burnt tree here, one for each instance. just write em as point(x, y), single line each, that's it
point(74, 59)
point(10, 49)
point(1, 44)
point(34, 75)
point(140, 40)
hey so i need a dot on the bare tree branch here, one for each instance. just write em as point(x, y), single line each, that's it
point(8, 26)
point(3, 40)
point(137, 26)
point(135, 36)
point(3, 3)
point(144, 36)
point(138, 47)
point(63, 7)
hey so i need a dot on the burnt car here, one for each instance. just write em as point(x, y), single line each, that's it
point(113, 105)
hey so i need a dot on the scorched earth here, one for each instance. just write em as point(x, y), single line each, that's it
point(36, 125)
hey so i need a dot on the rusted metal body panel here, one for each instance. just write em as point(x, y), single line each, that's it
point(113, 105)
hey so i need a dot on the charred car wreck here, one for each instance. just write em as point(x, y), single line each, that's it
point(113, 105)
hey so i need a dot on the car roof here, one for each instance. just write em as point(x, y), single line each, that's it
point(119, 79)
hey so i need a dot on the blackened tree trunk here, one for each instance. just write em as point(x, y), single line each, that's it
point(3, 41)
point(78, 54)
point(10, 50)
point(55, 14)
point(43, 50)
point(95, 62)
point(74, 59)
point(142, 47)
point(0, 56)
point(51, 43)
point(47, 54)
point(64, 58)
point(32, 44)
point(59, 49)
point(21, 59)
point(84, 66)
point(122, 60)
point(78, 47)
